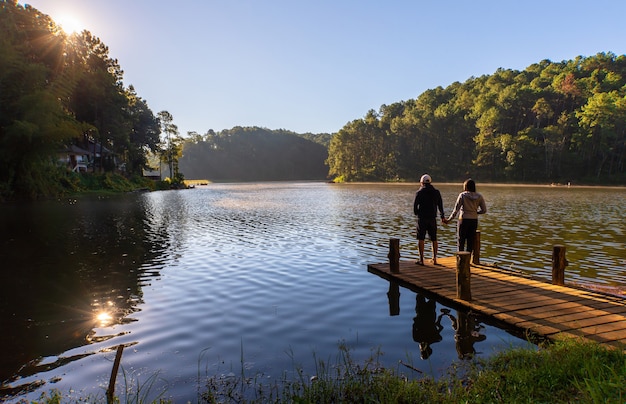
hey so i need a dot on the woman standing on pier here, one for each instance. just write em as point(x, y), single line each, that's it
point(469, 205)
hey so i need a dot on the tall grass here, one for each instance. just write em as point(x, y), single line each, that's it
point(137, 391)
point(568, 371)
point(563, 372)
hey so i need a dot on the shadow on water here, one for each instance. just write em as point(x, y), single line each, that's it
point(69, 267)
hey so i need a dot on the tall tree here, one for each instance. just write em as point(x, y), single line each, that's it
point(100, 99)
point(144, 136)
point(603, 124)
point(33, 124)
point(172, 149)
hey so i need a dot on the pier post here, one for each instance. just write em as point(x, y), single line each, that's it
point(476, 250)
point(559, 262)
point(463, 289)
point(394, 254)
point(394, 298)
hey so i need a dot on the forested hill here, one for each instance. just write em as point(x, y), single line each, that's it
point(552, 122)
point(255, 154)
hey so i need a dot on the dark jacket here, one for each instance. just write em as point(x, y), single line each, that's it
point(427, 201)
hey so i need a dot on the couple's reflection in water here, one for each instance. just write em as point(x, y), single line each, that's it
point(427, 324)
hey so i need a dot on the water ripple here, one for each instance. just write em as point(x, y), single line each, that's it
point(276, 272)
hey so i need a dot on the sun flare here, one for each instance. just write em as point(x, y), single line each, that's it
point(69, 24)
point(104, 318)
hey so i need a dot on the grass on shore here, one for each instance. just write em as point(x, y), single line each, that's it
point(563, 372)
point(566, 371)
point(111, 183)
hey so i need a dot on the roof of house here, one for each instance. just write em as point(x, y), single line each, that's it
point(73, 149)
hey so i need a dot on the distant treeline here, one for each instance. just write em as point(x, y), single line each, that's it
point(255, 154)
point(552, 122)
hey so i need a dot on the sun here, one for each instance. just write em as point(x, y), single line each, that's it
point(69, 24)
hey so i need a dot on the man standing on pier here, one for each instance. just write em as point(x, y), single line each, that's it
point(427, 202)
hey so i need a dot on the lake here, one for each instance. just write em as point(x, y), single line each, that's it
point(262, 278)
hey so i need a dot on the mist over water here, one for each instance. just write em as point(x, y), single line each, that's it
point(262, 277)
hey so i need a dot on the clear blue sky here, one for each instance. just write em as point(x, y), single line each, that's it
point(313, 66)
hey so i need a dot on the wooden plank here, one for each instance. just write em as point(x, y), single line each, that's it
point(531, 305)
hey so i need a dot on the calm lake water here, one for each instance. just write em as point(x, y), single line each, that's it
point(262, 278)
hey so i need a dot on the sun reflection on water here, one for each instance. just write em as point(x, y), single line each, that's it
point(104, 318)
point(103, 314)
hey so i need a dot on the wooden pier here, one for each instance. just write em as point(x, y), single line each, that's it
point(538, 307)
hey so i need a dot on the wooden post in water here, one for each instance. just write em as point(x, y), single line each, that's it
point(116, 366)
point(463, 289)
point(394, 254)
point(476, 250)
point(559, 262)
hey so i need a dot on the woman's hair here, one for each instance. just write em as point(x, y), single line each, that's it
point(469, 185)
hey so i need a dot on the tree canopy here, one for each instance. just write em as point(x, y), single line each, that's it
point(552, 122)
point(253, 154)
point(58, 90)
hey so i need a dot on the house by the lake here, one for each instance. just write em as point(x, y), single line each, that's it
point(75, 158)
point(84, 157)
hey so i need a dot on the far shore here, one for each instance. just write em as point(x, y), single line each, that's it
point(490, 184)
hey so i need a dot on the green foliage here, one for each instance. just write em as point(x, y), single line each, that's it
point(116, 182)
point(563, 372)
point(178, 182)
point(253, 154)
point(139, 392)
point(136, 391)
point(321, 138)
point(568, 371)
point(51, 397)
point(552, 122)
point(58, 90)
point(111, 182)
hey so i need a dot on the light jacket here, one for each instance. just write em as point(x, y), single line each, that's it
point(470, 205)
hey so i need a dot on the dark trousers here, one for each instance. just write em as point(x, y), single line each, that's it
point(466, 233)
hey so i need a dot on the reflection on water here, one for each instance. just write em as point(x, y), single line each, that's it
point(426, 325)
point(467, 332)
point(69, 268)
point(427, 328)
point(195, 280)
point(525, 222)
